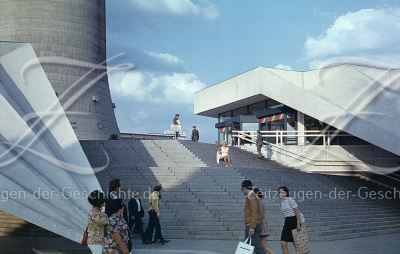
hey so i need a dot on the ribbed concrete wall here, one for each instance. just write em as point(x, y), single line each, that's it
point(68, 30)
point(40, 156)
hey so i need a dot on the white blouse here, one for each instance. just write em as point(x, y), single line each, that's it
point(287, 206)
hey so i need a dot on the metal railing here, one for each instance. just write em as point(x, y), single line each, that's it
point(289, 137)
point(358, 167)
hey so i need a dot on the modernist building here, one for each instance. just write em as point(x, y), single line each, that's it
point(359, 103)
point(70, 41)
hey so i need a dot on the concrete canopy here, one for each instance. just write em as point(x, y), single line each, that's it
point(44, 175)
point(363, 101)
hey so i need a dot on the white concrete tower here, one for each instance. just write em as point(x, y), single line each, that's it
point(69, 39)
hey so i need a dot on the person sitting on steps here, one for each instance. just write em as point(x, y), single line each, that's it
point(224, 151)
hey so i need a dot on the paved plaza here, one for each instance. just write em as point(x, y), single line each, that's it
point(388, 244)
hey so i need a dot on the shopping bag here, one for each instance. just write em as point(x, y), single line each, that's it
point(300, 239)
point(244, 247)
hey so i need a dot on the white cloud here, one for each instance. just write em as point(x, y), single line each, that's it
point(177, 88)
point(166, 59)
point(178, 8)
point(209, 10)
point(368, 33)
point(283, 67)
point(137, 117)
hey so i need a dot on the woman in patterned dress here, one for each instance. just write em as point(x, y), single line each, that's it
point(117, 230)
point(97, 220)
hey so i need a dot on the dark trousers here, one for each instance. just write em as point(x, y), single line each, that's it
point(154, 224)
point(260, 155)
point(138, 224)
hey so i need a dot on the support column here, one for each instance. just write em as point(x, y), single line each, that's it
point(301, 140)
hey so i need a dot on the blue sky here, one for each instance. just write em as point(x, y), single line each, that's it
point(179, 47)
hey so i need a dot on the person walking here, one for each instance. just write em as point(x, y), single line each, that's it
point(253, 216)
point(115, 189)
point(264, 233)
point(97, 220)
point(154, 218)
point(136, 213)
point(292, 217)
point(117, 230)
point(195, 134)
point(259, 144)
point(176, 125)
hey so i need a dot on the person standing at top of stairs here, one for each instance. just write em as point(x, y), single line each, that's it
point(176, 125)
point(259, 144)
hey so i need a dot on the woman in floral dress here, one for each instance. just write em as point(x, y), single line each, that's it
point(97, 220)
point(117, 230)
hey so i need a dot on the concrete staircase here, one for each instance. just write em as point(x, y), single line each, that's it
point(203, 201)
point(207, 153)
point(193, 194)
point(335, 207)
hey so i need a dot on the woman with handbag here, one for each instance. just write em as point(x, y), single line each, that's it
point(117, 230)
point(292, 217)
point(97, 220)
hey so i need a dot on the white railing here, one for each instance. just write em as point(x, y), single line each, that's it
point(289, 137)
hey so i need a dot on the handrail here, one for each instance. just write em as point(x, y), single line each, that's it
point(280, 136)
point(363, 167)
point(279, 148)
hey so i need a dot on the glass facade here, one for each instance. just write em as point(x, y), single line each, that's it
point(256, 107)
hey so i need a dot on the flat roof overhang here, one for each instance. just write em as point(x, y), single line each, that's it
point(213, 112)
point(360, 100)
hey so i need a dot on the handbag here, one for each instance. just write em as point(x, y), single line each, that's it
point(300, 240)
point(175, 128)
point(85, 237)
point(302, 219)
point(244, 247)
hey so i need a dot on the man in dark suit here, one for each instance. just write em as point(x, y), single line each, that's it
point(114, 189)
point(195, 134)
point(136, 213)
